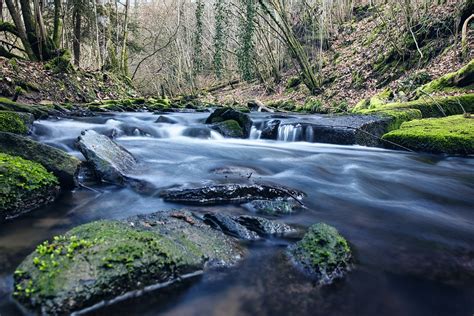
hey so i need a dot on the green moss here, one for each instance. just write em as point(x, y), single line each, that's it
point(463, 78)
point(323, 252)
point(36, 110)
point(22, 183)
point(61, 63)
point(13, 122)
point(230, 128)
point(312, 105)
point(293, 83)
point(285, 104)
point(451, 135)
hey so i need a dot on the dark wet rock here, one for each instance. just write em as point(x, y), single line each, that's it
point(230, 226)
point(106, 259)
point(229, 193)
point(64, 166)
point(24, 186)
point(229, 128)
point(165, 119)
point(197, 132)
point(109, 160)
point(273, 207)
point(238, 171)
point(263, 226)
point(323, 253)
point(225, 114)
point(270, 129)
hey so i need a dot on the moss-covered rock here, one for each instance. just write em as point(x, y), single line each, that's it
point(105, 259)
point(461, 79)
point(226, 114)
point(61, 63)
point(229, 128)
point(374, 102)
point(15, 122)
point(451, 135)
point(37, 110)
point(64, 166)
point(24, 186)
point(284, 104)
point(323, 253)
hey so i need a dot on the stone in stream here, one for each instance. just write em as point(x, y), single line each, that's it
point(229, 128)
point(24, 186)
point(273, 207)
point(323, 253)
point(225, 114)
point(230, 226)
point(64, 166)
point(229, 193)
point(165, 119)
point(109, 160)
point(270, 129)
point(263, 226)
point(107, 259)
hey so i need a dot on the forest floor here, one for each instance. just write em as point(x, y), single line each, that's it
point(360, 63)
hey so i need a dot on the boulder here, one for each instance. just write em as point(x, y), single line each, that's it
point(64, 166)
point(109, 160)
point(225, 114)
point(263, 226)
point(24, 186)
point(229, 128)
point(230, 226)
point(15, 122)
point(323, 253)
point(165, 119)
point(229, 193)
point(270, 129)
point(106, 259)
point(273, 207)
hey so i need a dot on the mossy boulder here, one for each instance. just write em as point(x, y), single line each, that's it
point(458, 80)
point(64, 166)
point(323, 253)
point(229, 128)
point(450, 135)
point(105, 259)
point(15, 122)
point(24, 186)
point(226, 114)
point(283, 104)
point(38, 111)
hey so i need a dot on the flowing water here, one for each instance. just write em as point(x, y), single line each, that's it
point(408, 217)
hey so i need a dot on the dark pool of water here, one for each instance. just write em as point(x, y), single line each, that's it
point(408, 217)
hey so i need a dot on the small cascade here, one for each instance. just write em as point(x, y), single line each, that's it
point(255, 133)
point(309, 134)
point(290, 133)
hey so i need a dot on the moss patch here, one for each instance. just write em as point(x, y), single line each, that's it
point(322, 252)
point(13, 122)
point(451, 135)
point(24, 186)
point(36, 110)
point(229, 128)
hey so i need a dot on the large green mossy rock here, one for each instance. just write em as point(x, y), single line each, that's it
point(24, 186)
point(227, 114)
point(105, 259)
point(323, 253)
point(450, 135)
point(229, 128)
point(37, 110)
point(15, 122)
point(64, 166)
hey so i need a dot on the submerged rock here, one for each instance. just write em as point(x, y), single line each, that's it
point(230, 226)
point(24, 186)
point(273, 207)
point(263, 226)
point(323, 253)
point(64, 166)
point(106, 259)
point(165, 119)
point(229, 193)
point(270, 129)
point(229, 128)
point(109, 160)
point(226, 114)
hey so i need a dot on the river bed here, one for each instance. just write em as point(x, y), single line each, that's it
point(408, 217)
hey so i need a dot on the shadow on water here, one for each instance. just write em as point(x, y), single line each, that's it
point(408, 217)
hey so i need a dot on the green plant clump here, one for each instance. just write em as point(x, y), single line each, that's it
point(24, 185)
point(13, 122)
point(322, 252)
point(450, 135)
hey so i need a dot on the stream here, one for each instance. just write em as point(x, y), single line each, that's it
point(409, 218)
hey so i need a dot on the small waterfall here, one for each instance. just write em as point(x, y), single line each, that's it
point(309, 134)
point(255, 133)
point(290, 133)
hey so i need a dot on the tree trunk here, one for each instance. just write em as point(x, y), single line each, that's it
point(15, 14)
point(58, 23)
point(76, 41)
point(123, 55)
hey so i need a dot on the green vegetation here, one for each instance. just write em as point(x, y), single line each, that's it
point(37, 110)
point(24, 185)
point(13, 122)
point(230, 128)
point(61, 63)
point(451, 135)
point(322, 252)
